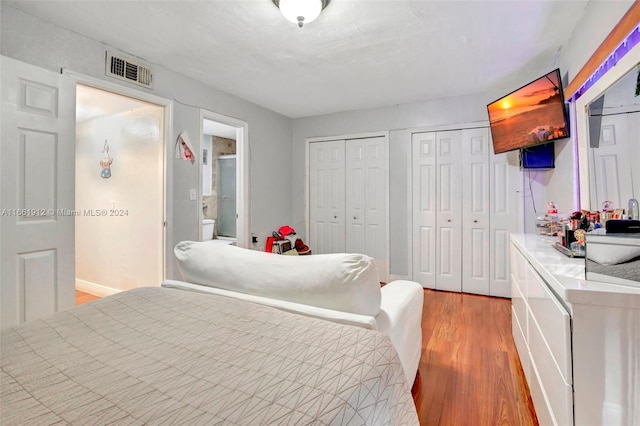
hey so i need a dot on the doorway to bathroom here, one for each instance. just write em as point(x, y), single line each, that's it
point(224, 179)
point(119, 192)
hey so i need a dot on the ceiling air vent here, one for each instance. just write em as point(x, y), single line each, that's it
point(133, 71)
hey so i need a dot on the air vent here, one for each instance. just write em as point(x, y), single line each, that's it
point(126, 69)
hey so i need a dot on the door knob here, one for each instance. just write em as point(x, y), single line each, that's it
point(448, 220)
point(354, 218)
point(335, 217)
point(475, 221)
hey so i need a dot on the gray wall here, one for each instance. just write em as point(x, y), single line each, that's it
point(40, 43)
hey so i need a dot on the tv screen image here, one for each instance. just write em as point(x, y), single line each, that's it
point(531, 115)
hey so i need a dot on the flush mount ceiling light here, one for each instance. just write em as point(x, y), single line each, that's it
point(301, 11)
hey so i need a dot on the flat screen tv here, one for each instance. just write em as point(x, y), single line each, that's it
point(531, 115)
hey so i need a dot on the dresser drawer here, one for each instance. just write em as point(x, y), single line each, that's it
point(521, 344)
point(557, 393)
point(519, 307)
point(552, 319)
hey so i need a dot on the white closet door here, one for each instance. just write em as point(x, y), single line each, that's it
point(327, 197)
point(423, 170)
point(449, 211)
point(506, 183)
point(38, 179)
point(366, 183)
point(475, 211)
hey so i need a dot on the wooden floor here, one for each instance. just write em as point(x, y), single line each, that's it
point(84, 297)
point(470, 373)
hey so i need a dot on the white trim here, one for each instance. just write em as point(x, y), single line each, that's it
point(384, 134)
point(95, 289)
point(243, 175)
point(350, 136)
point(624, 65)
point(167, 187)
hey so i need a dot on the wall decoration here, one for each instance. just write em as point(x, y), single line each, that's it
point(184, 148)
point(106, 161)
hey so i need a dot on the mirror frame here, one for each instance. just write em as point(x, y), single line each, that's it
point(624, 65)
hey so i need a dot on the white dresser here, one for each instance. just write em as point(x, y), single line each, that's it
point(578, 341)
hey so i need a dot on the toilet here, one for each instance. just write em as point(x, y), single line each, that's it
point(208, 225)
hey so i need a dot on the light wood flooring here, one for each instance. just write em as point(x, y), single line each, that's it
point(469, 373)
point(82, 297)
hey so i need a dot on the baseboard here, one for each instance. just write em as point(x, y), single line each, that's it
point(95, 289)
point(393, 277)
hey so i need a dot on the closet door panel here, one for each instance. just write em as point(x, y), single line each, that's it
point(506, 183)
point(448, 210)
point(355, 187)
point(423, 177)
point(376, 194)
point(327, 196)
point(475, 211)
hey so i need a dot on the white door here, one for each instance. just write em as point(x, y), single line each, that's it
point(37, 156)
point(423, 178)
point(449, 211)
point(506, 184)
point(611, 162)
point(366, 200)
point(475, 210)
point(327, 197)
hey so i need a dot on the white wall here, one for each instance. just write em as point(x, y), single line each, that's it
point(40, 43)
point(120, 252)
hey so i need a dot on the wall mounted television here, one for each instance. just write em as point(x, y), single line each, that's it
point(531, 115)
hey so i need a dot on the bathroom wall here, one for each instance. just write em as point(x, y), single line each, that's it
point(219, 146)
point(121, 250)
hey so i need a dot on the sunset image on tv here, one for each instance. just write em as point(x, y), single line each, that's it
point(530, 115)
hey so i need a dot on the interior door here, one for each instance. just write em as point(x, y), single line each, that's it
point(366, 201)
point(475, 210)
point(423, 177)
point(327, 197)
point(37, 155)
point(449, 211)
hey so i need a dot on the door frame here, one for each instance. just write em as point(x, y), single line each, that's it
point(167, 190)
point(307, 201)
point(243, 176)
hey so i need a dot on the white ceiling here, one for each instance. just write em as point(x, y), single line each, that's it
point(357, 54)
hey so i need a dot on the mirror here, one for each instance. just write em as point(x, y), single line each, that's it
point(608, 129)
point(614, 143)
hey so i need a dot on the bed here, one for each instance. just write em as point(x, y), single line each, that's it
point(174, 355)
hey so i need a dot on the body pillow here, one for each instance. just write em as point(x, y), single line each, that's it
point(342, 282)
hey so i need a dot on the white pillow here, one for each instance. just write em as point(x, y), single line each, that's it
point(343, 282)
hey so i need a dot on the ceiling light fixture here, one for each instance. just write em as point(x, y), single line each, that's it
point(301, 11)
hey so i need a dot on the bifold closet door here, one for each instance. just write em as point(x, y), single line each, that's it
point(437, 216)
point(327, 197)
point(475, 210)
point(366, 193)
point(423, 229)
point(449, 211)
